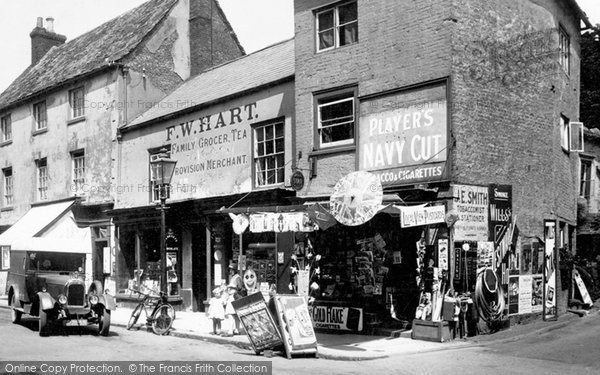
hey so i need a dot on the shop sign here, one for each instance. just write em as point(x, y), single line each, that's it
point(500, 211)
point(337, 317)
point(585, 295)
point(294, 318)
point(421, 215)
point(443, 253)
point(471, 204)
point(297, 180)
point(280, 222)
point(550, 272)
point(405, 136)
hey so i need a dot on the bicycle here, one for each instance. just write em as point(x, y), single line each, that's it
point(162, 316)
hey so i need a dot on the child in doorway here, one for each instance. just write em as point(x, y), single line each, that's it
point(216, 310)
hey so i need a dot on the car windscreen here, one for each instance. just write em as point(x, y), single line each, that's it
point(56, 261)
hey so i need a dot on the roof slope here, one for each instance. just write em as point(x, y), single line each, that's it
point(88, 52)
point(257, 69)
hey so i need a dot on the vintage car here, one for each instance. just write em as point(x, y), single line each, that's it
point(51, 286)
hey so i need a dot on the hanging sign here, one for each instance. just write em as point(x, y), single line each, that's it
point(421, 215)
point(297, 180)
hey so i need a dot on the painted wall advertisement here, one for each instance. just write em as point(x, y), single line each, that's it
point(471, 204)
point(337, 317)
point(215, 144)
point(403, 136)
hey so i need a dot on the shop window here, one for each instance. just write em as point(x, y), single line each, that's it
point(335, 118)
point(7, 187)
point(337, 26)
point(269, 160)
point(585, 184)
point(42, 179)
point(6, 128)
point(78, 171)
point(565, 46)
point(154, 185)
point(76, 102)
point(40, 116)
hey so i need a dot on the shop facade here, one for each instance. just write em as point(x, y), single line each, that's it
point(448, 118)
point(231, 137)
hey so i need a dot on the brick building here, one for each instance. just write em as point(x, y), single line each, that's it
point(59, 118)
point(483, 93)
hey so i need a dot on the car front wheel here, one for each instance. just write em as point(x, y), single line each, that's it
point(15, 314)
point(104, 322)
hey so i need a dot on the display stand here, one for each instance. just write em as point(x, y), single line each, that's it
point(258, 322)
point(295, 325)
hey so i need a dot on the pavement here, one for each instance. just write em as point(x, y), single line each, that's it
point(345, 347)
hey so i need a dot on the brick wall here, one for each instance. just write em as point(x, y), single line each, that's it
point(41, 42)
point(212, 39)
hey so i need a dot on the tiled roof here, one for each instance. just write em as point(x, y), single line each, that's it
point(88, 52)
point(257, 69)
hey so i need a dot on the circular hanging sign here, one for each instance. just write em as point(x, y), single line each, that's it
point(356, 198)
point(297, 180)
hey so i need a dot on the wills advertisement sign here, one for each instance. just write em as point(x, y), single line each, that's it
point(403, 136)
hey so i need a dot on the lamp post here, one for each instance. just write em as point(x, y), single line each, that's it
point(162, 171)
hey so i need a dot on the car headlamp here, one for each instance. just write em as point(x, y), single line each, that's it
point(62, 299)
point(93, 299)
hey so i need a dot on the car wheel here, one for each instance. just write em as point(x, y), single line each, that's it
point(134, 316)
point(104, 322)
point(44, 323)
point(15, 314)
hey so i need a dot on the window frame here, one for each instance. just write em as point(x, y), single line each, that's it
point(8, 182)
point(154, 191)
point(585, 184)
point(564, 49)
point(334, 8)
point(6, 122)
point(36, 117)
point(76, 112)
point(328, 98)
point(274, 155)
point(565, 136)
point(42, 179)
point(78, 172)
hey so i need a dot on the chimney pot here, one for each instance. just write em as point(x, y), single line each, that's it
point(50, 24)
point(40, 22)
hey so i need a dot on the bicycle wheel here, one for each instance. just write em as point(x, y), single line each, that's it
point(135, 314)
point(162, 319)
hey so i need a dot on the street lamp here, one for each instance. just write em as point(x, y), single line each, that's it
point(162, 172)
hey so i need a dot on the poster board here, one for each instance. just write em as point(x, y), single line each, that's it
point(296, 326)
point(258, 322)
point(585, 295)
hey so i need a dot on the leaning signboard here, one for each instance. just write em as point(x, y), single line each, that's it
point(296, 326)
point(258, 322)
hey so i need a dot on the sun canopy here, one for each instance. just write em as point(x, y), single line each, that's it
point(50, 227)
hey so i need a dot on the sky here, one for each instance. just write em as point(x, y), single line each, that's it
point(257, 23)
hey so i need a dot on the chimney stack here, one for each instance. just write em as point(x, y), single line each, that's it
point(42, 39)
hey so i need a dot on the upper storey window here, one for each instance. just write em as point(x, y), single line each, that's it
point(337, 26)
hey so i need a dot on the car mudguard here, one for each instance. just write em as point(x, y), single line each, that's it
point(46, 300)
point(108, 301)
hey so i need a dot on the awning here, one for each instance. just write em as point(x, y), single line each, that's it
point(48, 227)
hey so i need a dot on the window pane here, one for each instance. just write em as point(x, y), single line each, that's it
point(348, 34)
point(325, 20)
point(279, 159)
point(271, 177)
point(280, 175)
point(279, 145)
point(279, 130)
point(337, 111)
point(326, 39)
point(269, 132)
point(261, 149)
point(269, 147)
point(348, 13)
point(260, 136)
point(271, 162)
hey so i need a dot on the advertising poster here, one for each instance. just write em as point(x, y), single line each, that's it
point(404, 139)
point(513, 295)
point(500, 211)
point(295, 322)
point(303, 282)
point(337, 317)
point(537, 293)
point(485, 255)
point(443, 253)
point(258, 322)
point(550, 272)
point(471, 204)
point(525, 294)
